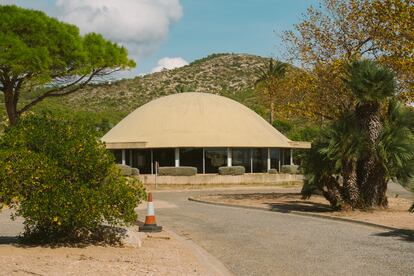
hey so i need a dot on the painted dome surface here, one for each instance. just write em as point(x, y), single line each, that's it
point(194, 120)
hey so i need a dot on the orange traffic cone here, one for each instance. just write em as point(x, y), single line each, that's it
point(150, 224)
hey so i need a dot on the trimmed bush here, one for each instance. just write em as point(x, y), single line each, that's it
point(291, 169)
point(234, 170)
point(57, 176)
point(134, 171)
point(125, 169)
point(272, 171)
point(177, 171)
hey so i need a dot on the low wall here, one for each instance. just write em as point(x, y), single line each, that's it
point(215, 179)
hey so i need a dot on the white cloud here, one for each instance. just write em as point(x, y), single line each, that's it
point(169, 63)
point(140, 25)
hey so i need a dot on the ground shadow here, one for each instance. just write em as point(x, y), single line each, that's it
point(8, 240)
point(402, 234)
point(286, 207)
point(289, 202)
point(103, 236)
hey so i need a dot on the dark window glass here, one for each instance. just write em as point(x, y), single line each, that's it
point(241, 157)
point(286, 156)
point(215, 158)
point(164, 157)
point(259, 160)
point(141, 159)
point(118, 156)
point(274, 158)
point(127, 157)
point(192, 157)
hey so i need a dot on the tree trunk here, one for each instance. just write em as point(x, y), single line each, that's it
point(352, 193)
point(11, 105)
point(272, 111)
point(371, 174)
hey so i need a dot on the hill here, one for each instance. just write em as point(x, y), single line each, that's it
point(231, 75)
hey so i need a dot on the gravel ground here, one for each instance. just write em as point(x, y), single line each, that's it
point(254, 242)
point(162, 253)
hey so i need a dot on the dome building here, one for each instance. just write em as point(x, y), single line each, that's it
point(200, 130)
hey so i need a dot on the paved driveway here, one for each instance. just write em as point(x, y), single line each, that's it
point(254, 242)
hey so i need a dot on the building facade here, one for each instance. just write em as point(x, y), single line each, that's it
point(200, 130)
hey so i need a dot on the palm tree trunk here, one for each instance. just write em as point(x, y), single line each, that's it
point(272, 111)
point(351, 193)
point(372, 173)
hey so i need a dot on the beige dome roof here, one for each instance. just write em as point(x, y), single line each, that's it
point(195, 120)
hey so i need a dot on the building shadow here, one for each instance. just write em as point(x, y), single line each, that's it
point(402, 234)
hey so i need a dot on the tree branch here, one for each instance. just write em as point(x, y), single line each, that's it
point(62, 91)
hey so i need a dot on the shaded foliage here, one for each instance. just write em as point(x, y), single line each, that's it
point(59, 178)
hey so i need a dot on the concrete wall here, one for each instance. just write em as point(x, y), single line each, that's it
point(215, 179)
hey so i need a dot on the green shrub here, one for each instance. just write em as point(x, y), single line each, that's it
point(234, 170)
point(177, 171)
point(134, 171)
point(272, 171)
point(125, 169)
point(61, 179)
point(292, 169)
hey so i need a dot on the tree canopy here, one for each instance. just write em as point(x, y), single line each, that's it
point(60, 178)
point(340, 31)
point(41, 55)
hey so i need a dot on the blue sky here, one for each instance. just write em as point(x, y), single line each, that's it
point(179, 31)
point(214, 26)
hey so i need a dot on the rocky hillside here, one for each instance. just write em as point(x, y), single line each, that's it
point(224, 74)
point(231, 75)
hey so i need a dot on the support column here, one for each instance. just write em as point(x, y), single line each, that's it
point(291, 156)
point(123, 157)
point(229, 157)
point(251, 160)
point(177, 157)
point(204, 161)
point(152, 162)
point(268, 159)
point(280, 156)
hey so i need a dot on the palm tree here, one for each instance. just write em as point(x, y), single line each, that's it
point(359, 153)
point(269, 80)
point(372, 85)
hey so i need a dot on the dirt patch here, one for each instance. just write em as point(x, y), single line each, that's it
point(160, 254)
point(396, 216)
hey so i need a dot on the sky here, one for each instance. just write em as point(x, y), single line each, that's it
point(171, 33)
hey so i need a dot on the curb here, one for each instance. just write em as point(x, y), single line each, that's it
point(210, 262)
point(298, 213)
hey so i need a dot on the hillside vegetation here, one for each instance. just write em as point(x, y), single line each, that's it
point(231, 75)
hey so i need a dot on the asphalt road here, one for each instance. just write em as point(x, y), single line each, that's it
point(254, 242)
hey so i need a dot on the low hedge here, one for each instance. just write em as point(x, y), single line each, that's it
point(292, 169)
point(272, 171)
point(177, 171)
point(127, 170)
point(234, 170)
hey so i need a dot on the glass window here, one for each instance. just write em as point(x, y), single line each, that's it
point(127, 157)
point(215, 158)
point(141, 159)
point(286, 156)
point(274, 158)
point(259, 160)
point(118, 155)
point(241, 157)
point(164, 157)
point(192, 157)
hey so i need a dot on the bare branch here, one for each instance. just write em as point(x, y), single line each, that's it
point(62, 90)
